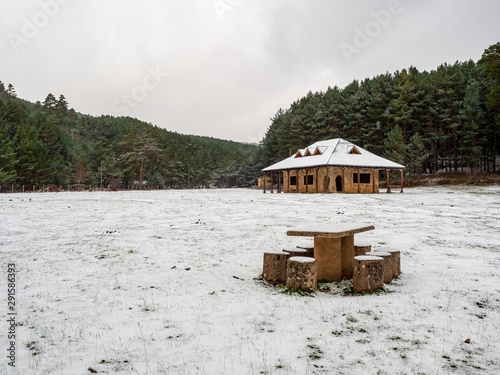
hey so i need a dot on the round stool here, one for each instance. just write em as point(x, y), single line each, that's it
point(274, 269)
point(309, 249)
point(368, 273)
point(296, 252)
point(387, 264)
point(302, 273)
point(396, 259)
point(361, 248)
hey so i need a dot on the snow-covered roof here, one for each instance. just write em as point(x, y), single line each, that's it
point(333, 152)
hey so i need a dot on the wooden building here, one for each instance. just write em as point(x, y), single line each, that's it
point(332, 166)
point(261, 180)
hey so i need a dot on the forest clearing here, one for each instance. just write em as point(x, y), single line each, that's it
point(137, 282)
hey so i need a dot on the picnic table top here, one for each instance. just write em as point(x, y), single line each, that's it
point(333, 230)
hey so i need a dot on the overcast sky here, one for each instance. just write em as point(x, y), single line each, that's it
point(223, 68)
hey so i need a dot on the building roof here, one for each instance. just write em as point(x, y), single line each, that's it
point(333, 152)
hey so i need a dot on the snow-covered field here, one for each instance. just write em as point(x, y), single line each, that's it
point(165, 282)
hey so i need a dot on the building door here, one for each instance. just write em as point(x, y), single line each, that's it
point(338, 184)
point(326, 184)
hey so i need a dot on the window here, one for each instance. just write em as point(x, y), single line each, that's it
point(309, 180)
point(293, 180)
point(354, 151)
point(364, 178)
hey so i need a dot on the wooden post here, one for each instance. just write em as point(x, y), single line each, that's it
point(388, 180)
point(317, 191)
point(279, 182)
point(359, 177)
point(343, 181)
point(265, 182)
point(373, 180)
point(272, 182)
point(23, 188)
point(401, 177)
point(297, 182)
point(307, 185)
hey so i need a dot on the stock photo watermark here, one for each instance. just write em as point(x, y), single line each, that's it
point(138, 94)
point(31, 26)
point(11, 315)
point(363, 37)
point(223, 6)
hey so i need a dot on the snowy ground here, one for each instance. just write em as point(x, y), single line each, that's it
point(165, 282)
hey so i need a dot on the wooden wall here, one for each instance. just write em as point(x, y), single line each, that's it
point(332, 180)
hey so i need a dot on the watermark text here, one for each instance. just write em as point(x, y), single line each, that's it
point(31, 25)
point(11, 315)
point(363, 37)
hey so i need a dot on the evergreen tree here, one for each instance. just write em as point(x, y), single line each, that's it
point(7, 158)
point(49, 105)
point(32, 157)
point(11, 91)
point(61, 108)
point(471, 116)
point(416, 155)
point(394, 145)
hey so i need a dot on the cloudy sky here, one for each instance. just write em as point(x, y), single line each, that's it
point(223, 68)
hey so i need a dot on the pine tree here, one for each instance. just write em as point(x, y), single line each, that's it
point(471, 116)
point(394, 145)
point(32, 157)
point(11, 91)
point(49, 105)
point(7, 158)
point(416, 155)
point(61, 108)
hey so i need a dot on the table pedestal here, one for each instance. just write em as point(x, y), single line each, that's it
point(335, 257)
point(347, 256)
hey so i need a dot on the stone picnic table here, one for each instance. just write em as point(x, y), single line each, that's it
point(333, 247)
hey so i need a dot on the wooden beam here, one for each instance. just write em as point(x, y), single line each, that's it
point(307, 185)
point(373, 180)
point(272, 182)
point(343, 180)
point(317, 180)
point(388, 180)
point(359, 177)
point(401, 177)
point(279, 183)
point(265, 182)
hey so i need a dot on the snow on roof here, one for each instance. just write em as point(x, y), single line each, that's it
point(333, 152)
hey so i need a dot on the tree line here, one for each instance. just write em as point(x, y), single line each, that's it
point(446, 119)
point(48, 143)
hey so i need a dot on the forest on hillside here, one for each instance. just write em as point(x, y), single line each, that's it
point(446, 119)
point(48, 143)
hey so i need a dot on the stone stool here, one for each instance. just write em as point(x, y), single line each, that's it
point(302, 273)
point(361, 248)
point(387, 264)
point(274, 269)
point(368, 273)
point(396, 259)
point(308, 248)
point(296, 252)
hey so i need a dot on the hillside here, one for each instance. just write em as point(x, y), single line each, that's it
point(447, 119)
point(51, 144)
